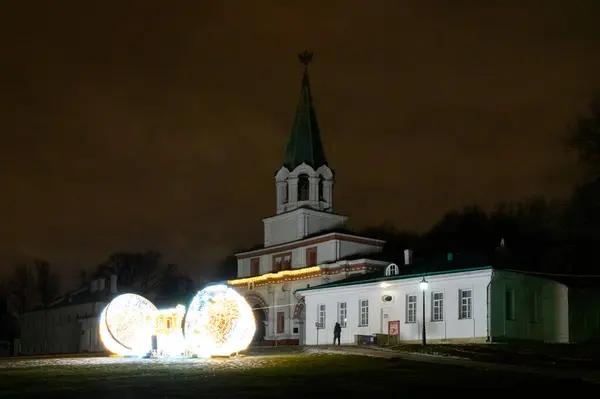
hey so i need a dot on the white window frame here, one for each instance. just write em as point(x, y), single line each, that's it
point(321, 315)
point(510, 315)
point(392, 270)
point(465, 304)
point(342, 313)
point(533, 307)
point(437, 306)
point(363, 312)
point(411, 308)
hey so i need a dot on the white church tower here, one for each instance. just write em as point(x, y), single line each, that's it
point(304, 183)
point(304, 241)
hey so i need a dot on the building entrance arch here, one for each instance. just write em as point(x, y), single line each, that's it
point(261, 315)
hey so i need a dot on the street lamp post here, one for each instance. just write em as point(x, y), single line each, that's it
point(423, 286)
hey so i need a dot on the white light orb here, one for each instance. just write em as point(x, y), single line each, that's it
point(126, 325)
point(219, 322)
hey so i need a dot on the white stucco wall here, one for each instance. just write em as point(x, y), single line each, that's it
point(282, 297)
point(328, 251)
point(347, 248)
point(450, 327)
point(58, 330)
point(545, 318)
point(297, 224)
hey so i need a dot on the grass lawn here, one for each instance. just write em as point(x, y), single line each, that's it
point(290, 375)
point(556, 356)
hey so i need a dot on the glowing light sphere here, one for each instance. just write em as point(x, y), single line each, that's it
point(126, 325)
point(219, 322)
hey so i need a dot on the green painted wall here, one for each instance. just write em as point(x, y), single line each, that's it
point(540, 308)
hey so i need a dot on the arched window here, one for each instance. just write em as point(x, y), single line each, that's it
point(392, 270)
point(321, 196)
point(284, 194)
point(303, 188)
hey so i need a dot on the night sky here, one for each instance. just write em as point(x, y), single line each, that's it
point(134, 125)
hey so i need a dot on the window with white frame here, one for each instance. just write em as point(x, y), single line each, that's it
point(363, 306)
point(322, 316)
point(509, 304)
point(465, 298)
point(533, 306)
point(437, 306)
point(392, 270)
point(342, 313)
point(411, 308)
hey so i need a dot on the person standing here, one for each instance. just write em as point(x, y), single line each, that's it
point(337, 332)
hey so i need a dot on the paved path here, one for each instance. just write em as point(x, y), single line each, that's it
point(585, 375)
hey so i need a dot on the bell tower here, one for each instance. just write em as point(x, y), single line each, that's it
point(305, 179)
point(304, 183)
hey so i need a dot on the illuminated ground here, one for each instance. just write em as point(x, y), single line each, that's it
point(267, 375)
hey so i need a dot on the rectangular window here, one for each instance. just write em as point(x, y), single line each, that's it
point(437, 306)
point(287, 262)
point(342, 313)
point(311, 256)
point(533, 307)
point(363, 306)
point(465, 304)
point(277, 263)
point(509, 304)
point(411, 308)
point(280, 322)
point(254, 266)
point(321, 319)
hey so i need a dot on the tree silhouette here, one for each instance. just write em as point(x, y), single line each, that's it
point(583, 137)
point(174, 287)
point(46, 282)
point(22, 292)
point(135, 271)
point(582, 215)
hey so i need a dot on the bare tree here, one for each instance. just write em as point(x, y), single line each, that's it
point(136, 271)
point(23, 293)
point(46, 282)
point(584, 138)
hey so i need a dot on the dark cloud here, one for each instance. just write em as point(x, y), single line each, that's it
point(127, 125)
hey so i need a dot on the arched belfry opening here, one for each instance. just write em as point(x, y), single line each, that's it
point(321, 194)
point(284, 193)
point(303, 188)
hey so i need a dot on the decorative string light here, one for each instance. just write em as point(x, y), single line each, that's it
point(124, 326)
point(298, 274)
point(219, 322)
point(291, 274)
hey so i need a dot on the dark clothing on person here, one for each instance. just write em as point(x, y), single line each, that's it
point(337, 332)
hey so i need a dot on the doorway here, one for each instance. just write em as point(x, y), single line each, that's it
point(260, 318)
point(385, 317)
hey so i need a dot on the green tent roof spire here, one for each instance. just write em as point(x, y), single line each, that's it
point(304, 144)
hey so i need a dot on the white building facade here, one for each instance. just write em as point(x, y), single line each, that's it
point(304, 242)
point(480, 304)
point(70, 324)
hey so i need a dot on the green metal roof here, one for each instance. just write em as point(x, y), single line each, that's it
point(304, 144)
point(342, 283)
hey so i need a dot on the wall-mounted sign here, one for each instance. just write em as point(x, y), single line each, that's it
point(394, 327)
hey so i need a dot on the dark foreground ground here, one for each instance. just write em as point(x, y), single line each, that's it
point(263, 375)
point(555, 356)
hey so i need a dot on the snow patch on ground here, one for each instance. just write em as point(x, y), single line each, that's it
point(442, 355)
point(342, 352)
